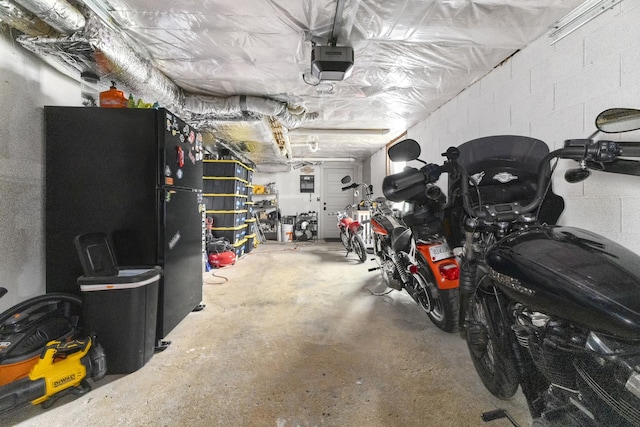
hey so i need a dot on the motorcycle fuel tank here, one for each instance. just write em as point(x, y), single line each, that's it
point(573, 274)
point(384, 224)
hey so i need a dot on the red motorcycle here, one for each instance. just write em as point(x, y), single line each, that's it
point(350, 233)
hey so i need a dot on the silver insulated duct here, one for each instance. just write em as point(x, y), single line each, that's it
point(59, 14)
point(93, 45)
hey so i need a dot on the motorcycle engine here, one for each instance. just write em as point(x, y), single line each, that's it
point(600, 376)
point(548, 340)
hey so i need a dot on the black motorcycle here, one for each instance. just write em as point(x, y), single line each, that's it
point(552, 309)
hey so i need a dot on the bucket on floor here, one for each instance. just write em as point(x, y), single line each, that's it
point(287, 232)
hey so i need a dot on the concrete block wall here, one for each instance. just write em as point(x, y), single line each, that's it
point(553, 92)
point(26, 85)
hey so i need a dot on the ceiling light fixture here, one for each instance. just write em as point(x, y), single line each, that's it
point(578, 17)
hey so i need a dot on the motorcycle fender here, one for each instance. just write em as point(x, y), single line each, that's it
point(434, 264)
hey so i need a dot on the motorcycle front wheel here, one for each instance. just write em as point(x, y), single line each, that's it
point(488, 343)
point(358, 247)
point(442, 309)
point(344, 238)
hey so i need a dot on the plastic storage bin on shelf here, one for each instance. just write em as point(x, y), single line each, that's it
point(227, 168)
point(224, 185)
point(232, 234)
point(251, 243)
point(252, 224)
point(228, 219)
point(239, 247)
point(225, 202)
point(119, 304)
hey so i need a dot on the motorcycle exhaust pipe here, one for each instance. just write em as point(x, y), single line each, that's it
point(468, 272)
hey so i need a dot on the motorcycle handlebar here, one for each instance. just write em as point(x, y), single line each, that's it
point(426, 175)
point(598, 151)
point(411, 177)
point(629, 149)
point(348, 187)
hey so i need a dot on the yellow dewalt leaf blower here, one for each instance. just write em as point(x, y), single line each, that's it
point(63, 368)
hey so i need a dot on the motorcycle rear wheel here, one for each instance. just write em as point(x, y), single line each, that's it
point(358, 247)
point(488, 344)
point(443, 309)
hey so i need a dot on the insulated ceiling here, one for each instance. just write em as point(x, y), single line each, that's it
point(411, 57)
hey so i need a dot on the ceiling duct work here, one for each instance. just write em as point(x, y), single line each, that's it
point(237, 105)
point(116, 57)
point(24, 21)
point(101, 49)
point(413, 56)
point(59, 14)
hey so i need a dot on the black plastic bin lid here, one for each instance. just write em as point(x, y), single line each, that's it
point(96, 256)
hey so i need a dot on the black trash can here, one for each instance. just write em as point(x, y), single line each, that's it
point(122, 312)
point(119, 304)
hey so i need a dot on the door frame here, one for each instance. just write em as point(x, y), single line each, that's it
point(324, 222)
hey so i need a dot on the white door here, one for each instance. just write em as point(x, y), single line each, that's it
point(333, 200)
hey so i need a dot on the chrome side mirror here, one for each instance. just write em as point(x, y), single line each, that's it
point(617, 120)
point(404, 151)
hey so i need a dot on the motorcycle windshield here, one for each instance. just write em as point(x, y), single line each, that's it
point(504, 167)
point(521, 151)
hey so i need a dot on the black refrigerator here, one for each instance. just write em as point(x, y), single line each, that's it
point(135, 174)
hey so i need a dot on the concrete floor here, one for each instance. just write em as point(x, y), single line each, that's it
point(293, 336)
